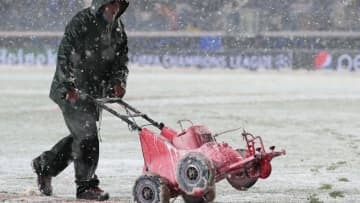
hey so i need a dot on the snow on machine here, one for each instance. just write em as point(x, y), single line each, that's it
point(190, 162)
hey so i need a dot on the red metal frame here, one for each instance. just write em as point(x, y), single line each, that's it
point(163, 151)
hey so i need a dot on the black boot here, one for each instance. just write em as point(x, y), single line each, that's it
point(43, 180)
point(89, 190)
point(94, 193)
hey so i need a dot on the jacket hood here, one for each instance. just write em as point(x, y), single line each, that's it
point(97, 4)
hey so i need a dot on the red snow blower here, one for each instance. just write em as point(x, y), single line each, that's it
point(190, 162)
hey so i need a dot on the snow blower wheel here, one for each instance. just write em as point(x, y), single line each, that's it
point(208, 197)
point(195, 174)
point(151, 189)
point(241, 181)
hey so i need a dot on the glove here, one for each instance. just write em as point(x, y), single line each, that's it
point(119, 91)
point(72, 96)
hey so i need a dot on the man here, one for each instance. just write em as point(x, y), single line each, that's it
point(92, 59)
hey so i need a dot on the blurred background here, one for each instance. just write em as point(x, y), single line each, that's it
point(250, 34)
point(230, 16)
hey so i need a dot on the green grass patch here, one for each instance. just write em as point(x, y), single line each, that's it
point(336, 165)
point(313, 198)
point(343, 180)
point(325, 187)
point(336, 194)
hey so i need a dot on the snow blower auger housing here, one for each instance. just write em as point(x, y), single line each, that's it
point(190, 162)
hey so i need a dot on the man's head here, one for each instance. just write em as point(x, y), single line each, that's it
point(109, 9)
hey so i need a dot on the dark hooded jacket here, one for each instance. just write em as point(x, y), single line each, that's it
point(92, 55)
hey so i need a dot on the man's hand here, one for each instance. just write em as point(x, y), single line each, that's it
point(72, 96)
point(119, 91)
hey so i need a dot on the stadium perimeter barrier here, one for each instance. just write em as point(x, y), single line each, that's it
point(269, 50)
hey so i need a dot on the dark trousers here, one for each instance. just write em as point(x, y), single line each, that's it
point(80, 147)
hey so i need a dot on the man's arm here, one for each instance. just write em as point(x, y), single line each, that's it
point(67, 53)
point(119, 69)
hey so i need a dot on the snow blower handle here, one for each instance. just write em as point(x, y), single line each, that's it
point(160, 125)
point(126, 118)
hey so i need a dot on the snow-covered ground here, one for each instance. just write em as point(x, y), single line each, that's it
point(315, 116)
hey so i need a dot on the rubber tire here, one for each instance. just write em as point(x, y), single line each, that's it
point(205, 173)
point(208, 197)
point(241, 181)
point(153, 183)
